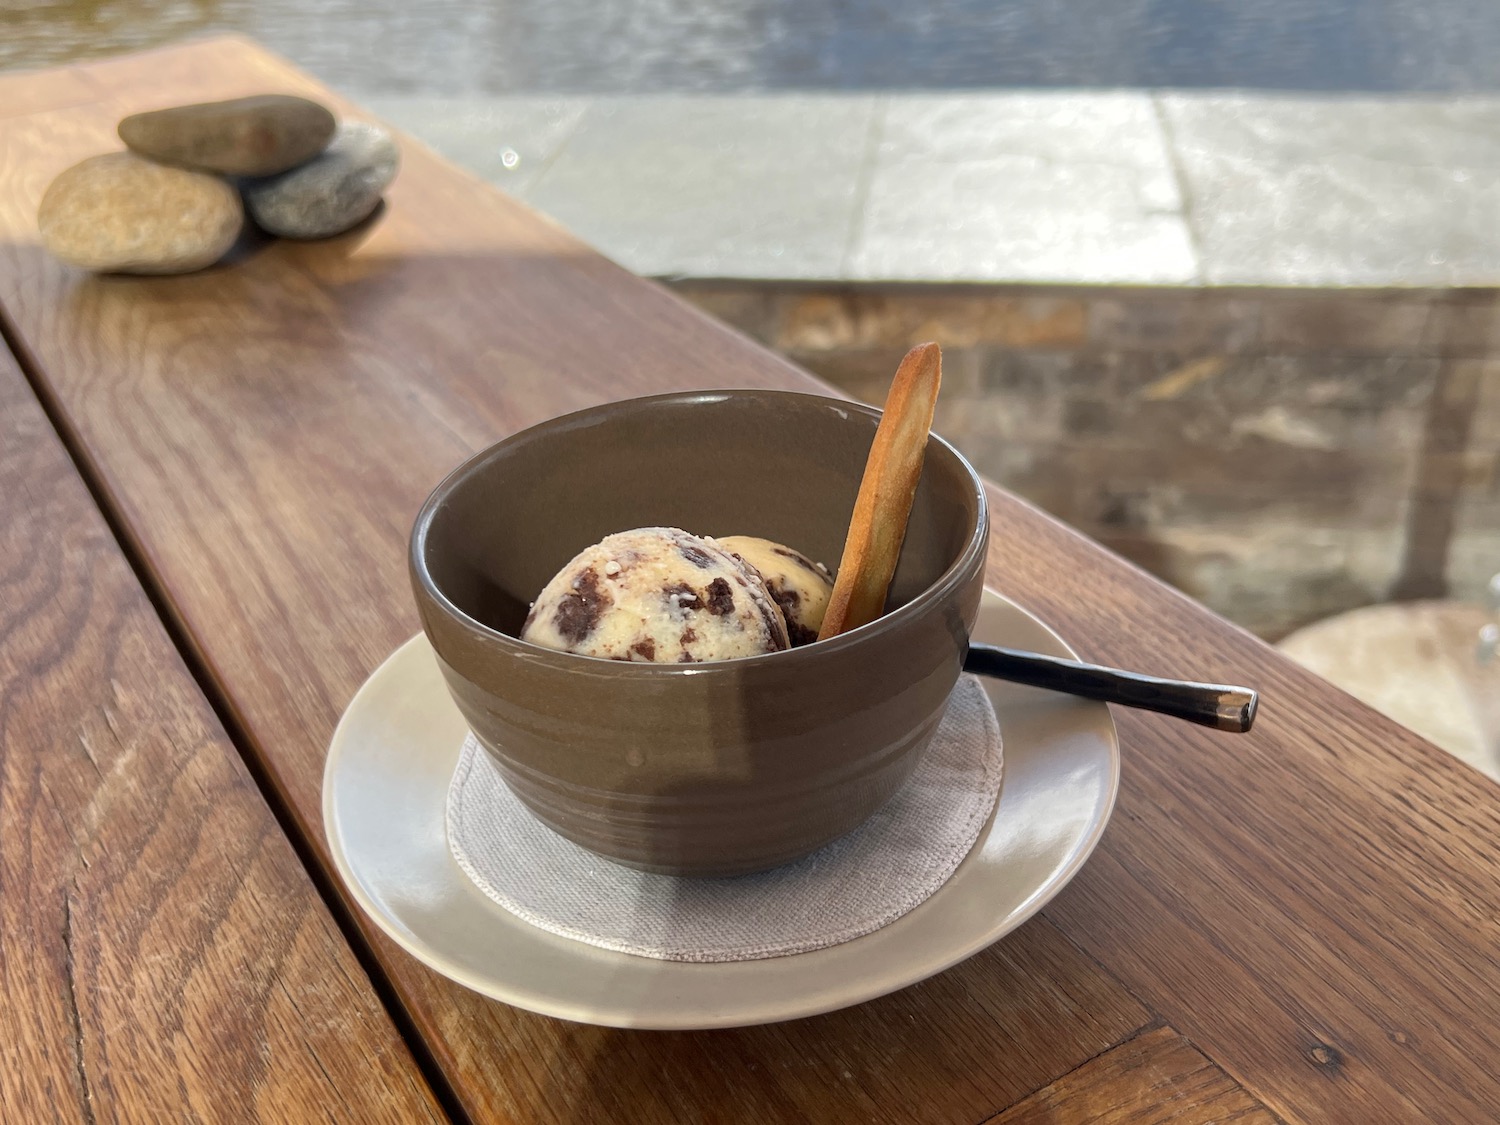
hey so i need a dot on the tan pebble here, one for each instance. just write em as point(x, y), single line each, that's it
point(121, 213)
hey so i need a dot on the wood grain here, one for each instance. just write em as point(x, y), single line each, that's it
point(1155, 1079)
point(953, 1048)
point(22, 93)
point(163, 955)
point(1314, 905)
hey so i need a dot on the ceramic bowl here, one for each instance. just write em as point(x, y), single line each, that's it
point(716, 768)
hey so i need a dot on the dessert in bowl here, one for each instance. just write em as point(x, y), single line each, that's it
point(711, 766)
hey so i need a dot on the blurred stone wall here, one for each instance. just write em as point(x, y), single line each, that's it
point(1280, 455)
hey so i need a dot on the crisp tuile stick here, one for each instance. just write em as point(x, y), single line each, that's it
point(878, 526)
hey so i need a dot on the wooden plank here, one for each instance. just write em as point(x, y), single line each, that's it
point(1314, 905)
point(163, 955)
point(1156, 1078)
point(953, 1048)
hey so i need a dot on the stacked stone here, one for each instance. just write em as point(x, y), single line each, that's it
point(176, 201)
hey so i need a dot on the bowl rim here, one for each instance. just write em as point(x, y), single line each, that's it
point(946, 583)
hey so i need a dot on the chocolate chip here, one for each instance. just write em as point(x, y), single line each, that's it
point(645, 649)
point(799, 634)
point(687, 658)
point(681, 594)
point(695, 555)
point(579, 612)
point(800, 559)
point(720, 598)
point(789, 600)
point(689, 635)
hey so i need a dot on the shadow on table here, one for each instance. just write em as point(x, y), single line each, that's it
point(982, 1034)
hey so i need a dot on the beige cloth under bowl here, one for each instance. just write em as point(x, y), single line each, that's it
point(887, 867)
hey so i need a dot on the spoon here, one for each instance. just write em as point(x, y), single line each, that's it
point(1211, 705)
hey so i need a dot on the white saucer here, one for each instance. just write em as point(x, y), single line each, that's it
point(384, 792)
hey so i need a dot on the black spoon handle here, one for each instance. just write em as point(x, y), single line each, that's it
point(1211, 705)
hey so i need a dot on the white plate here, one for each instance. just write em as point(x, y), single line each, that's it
point(386, 782)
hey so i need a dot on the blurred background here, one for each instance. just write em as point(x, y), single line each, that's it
point(1216, 282)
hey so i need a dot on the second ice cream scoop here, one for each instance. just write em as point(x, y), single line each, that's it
point(800, 586)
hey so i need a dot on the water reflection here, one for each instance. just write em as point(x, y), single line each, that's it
point(497, 46)
point(36, 33)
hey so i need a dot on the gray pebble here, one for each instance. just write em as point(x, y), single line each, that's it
point(333, 191)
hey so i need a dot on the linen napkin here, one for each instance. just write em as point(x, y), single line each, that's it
point(885, 868)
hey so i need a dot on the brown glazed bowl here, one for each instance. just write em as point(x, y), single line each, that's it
point(704, 769)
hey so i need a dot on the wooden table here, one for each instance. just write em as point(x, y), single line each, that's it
point(206, 490)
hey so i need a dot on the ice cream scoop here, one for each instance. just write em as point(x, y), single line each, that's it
point(799, 586)
point(660, 595)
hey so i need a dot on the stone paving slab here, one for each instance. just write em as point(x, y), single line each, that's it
point(997, 188)
point(1340, 192)
point(1023, 187)
point(508, 141)
point(763, 186)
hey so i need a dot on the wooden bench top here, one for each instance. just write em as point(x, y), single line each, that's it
point(163, 953)
point(1299, 924)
